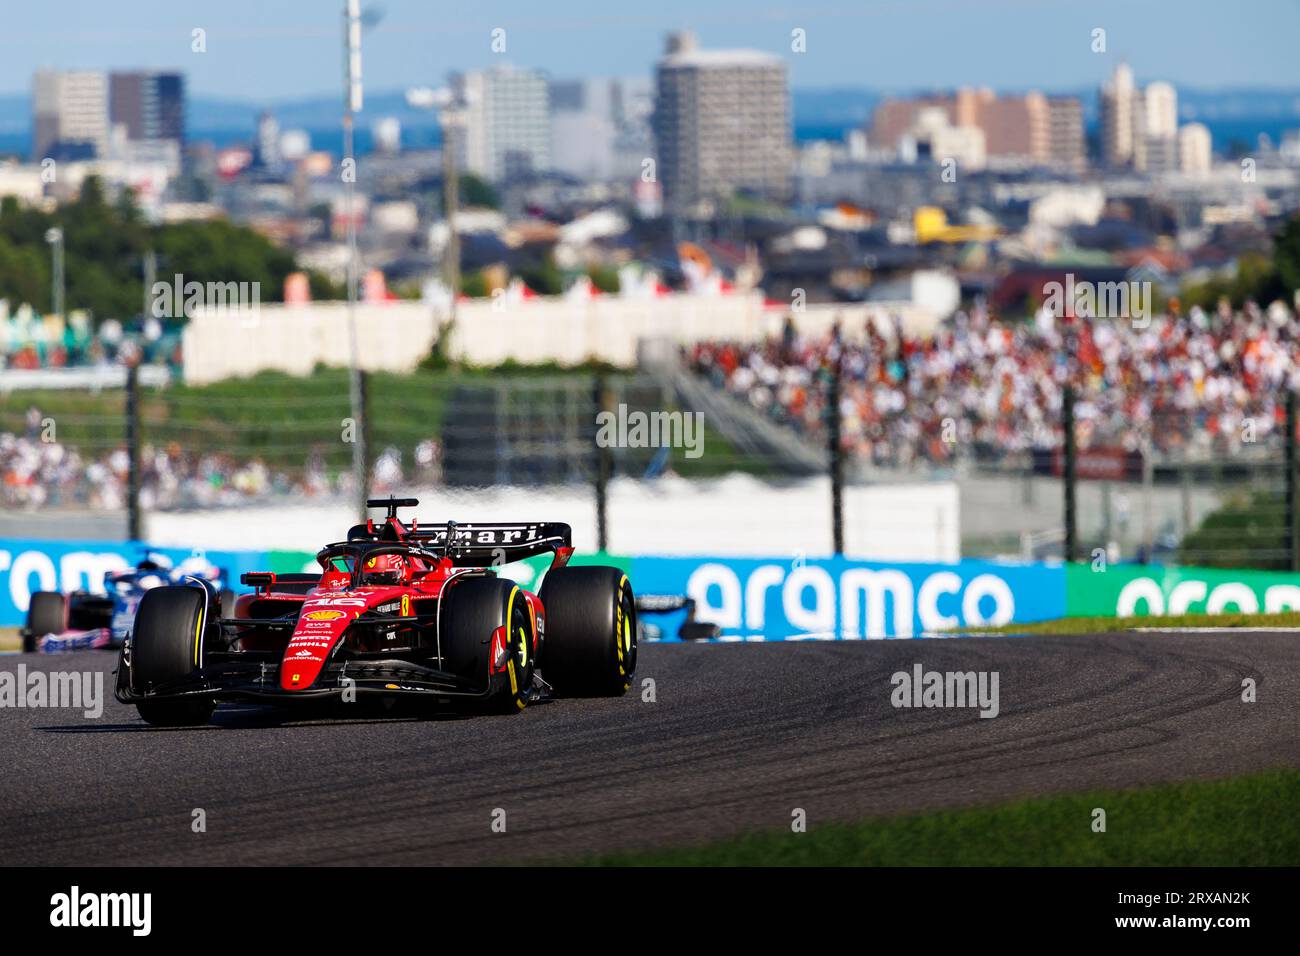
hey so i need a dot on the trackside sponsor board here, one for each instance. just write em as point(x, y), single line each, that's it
point(1128, 590)
point(826, 599)
point(29, 565)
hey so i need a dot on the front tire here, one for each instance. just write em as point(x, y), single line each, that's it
point(167, 646)
point(47, 614)
point(591, 632)
point(476, 609)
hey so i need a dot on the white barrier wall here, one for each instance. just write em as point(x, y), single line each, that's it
point(221, 343)
point(737, 516)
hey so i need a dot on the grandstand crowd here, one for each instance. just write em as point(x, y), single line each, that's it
point(1195, 386)
point(1199, 384)
point(36, 473)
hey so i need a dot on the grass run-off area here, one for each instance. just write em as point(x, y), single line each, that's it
point(1245, 821)
point(281, 418)
point(1100, 625)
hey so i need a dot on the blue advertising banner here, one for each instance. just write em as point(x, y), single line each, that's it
point(756, 599)
point(750, 598)
point(28, 565)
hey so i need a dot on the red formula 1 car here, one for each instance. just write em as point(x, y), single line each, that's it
point(398, 611)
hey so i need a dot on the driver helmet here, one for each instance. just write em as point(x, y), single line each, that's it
point(386, 569)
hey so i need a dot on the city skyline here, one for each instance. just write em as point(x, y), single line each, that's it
point(264, 55)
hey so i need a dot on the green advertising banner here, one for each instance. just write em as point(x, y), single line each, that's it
point(1126, 590)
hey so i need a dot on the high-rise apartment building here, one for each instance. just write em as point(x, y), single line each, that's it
point(79, 114)
point(1159, 145)
point(507, 122)
point(1139, 127)
point(1121, 117)
point(70, 118)
point(1194, 149)
point(1068, 146)
point(721, 123)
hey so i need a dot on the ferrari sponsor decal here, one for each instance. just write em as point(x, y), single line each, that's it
point(323, 615)
point(334, 602)
point(406, 605)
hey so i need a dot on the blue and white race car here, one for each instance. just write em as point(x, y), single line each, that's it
point(86, 619)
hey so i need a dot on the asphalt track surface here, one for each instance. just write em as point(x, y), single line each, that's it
point(738, 736)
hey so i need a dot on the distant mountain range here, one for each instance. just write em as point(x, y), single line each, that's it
point(1229, 113)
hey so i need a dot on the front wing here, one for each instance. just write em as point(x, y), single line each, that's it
point(249, 676)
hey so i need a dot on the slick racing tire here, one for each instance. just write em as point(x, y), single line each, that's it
point(473, 612)
point(591, 632)
point(167, 645)
point(47, 614)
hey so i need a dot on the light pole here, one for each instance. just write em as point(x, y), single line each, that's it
point(54, 236)
point(352, 102)
point(452, 119)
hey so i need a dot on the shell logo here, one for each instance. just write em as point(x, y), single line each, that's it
point(324, 615)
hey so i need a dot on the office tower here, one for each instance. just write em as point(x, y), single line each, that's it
point(149, 105)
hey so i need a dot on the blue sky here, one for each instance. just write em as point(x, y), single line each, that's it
point(266, 50)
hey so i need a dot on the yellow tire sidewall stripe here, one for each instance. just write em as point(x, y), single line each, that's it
point(198, 631)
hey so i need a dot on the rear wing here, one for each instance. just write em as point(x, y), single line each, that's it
point(491, 545)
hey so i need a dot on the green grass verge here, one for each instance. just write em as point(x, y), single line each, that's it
point(1093, 625)
point(1245, 821)
point(282, 419)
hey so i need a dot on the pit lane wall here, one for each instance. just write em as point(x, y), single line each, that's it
point(779, 598)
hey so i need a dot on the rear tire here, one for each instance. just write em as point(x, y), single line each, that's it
point(591, 632)
point(474, 609)
point(166, 646)
point(47, 614)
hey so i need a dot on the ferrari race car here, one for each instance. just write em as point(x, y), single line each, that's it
point(85, 619)
point(397, 611)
